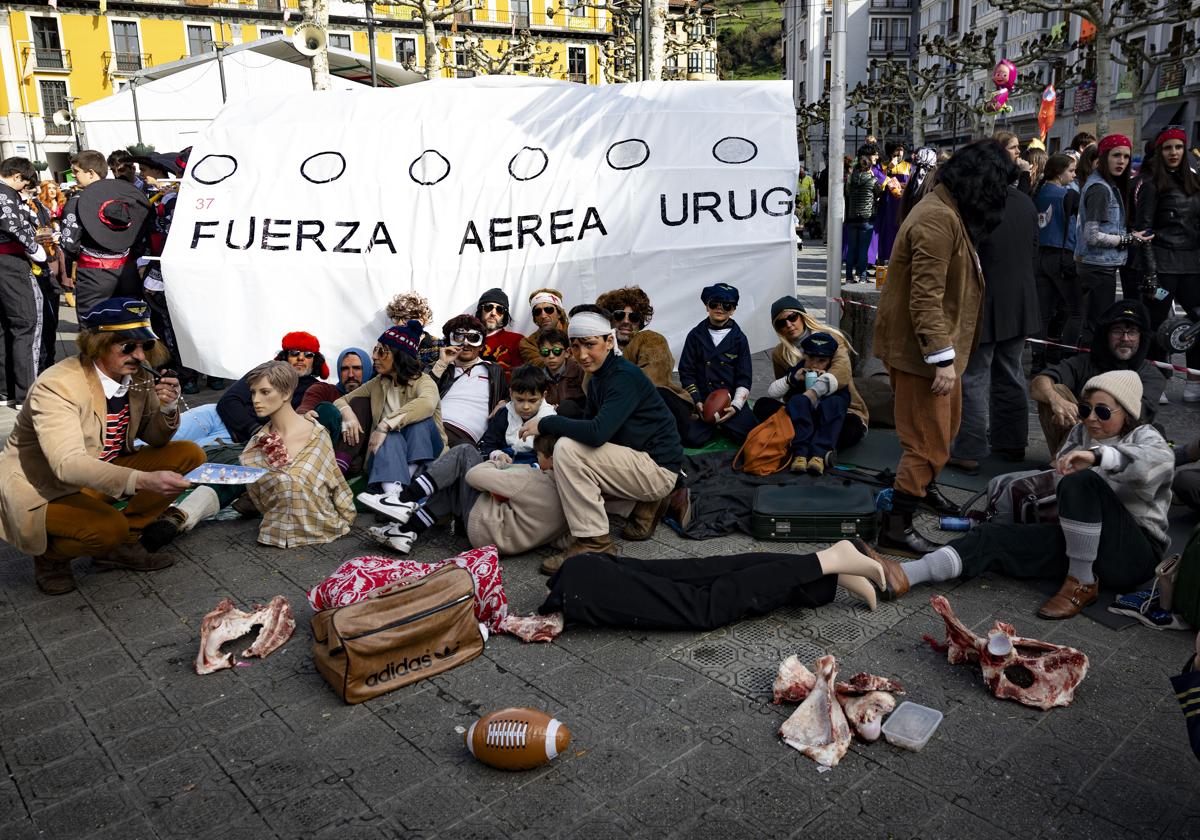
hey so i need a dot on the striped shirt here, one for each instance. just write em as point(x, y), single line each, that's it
point(116, 426)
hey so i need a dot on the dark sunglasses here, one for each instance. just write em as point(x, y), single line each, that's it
point(129, 346)
point(724, 306)
point(1103, 412)
point(544, 310)
point(473, 338)
point(557, 351)
point(494, 307)
point(621, 315)
point(295, 354)
point(780, 323)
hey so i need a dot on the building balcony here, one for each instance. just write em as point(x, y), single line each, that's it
point(578, 78)
point(125, 64)
point(890, 44)
point(44, 60)
point(1171, 76)
point(891, 4)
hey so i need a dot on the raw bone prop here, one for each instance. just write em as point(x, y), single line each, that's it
point(816, 728)
point(227, 622)
point(1038, 674)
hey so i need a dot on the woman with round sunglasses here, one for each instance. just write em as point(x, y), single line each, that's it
point(548, 314)
point(793, 324)
point(1114, 492)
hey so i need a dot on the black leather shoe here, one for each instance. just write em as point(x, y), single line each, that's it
point(1012, 455)
point(898, 536)
point(936, 501)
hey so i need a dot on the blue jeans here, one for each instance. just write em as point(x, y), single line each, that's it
point(203, 426)
point(817, 427)
point(858, 243)
point(995, 400)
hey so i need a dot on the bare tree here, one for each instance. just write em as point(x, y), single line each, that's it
point(523, 53)
point(1118, 23)
point(430, 14)
point(808, 116)
point(1143, 65)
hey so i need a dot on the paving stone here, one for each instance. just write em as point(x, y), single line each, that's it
point(435, 802)
point(660, 804)
point(953, 821)
point(312, 809)
point(64, 779)
point(89, 811)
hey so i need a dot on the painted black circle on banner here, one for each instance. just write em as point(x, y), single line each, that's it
point(323, 167)
point(628, 154)
point(213, 169)
point(430, 168)
point(735, 150)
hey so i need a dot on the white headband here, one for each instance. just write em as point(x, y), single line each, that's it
point(546, 297)
point(588, 324)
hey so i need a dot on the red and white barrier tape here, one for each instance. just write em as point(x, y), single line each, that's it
point(1163, 365)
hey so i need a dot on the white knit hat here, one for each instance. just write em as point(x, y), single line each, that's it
point(1125, 387)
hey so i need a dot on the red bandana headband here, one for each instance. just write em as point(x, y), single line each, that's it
point(1172, 133)
point(1112, 141)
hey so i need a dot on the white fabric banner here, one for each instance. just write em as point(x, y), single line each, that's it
point(309, 212)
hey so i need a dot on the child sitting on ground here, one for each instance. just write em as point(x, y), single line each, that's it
point(526, 400)
point(816, 403)
point(563, 374)
point(716, 355)
point(515, 508)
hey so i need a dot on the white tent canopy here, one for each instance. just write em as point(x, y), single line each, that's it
point(176, 101)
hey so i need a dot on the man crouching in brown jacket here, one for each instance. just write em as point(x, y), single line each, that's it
point(71, 453)
point(927, 324)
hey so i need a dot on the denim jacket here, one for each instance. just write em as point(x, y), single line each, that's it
point(1098, 254)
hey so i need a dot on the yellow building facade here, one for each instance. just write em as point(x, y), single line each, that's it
point(58, 57)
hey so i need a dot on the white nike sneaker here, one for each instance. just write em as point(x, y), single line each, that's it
point(394, 537)
point(389, 505)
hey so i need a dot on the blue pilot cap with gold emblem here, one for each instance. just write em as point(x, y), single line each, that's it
point(127, 316)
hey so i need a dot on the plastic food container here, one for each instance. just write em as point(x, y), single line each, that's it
point(911, 726)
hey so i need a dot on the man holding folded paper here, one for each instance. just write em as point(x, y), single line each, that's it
point(71, 453)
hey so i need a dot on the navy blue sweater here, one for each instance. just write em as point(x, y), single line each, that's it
point(704, 368)
point(623, 407)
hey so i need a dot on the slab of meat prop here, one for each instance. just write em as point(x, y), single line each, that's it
point(227, 622)
point(819, 728)
point(866, 712)
point(533, 628)
point(794, 682)
point(1038, 674)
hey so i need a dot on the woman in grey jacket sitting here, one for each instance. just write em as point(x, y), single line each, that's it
point(1113, 496)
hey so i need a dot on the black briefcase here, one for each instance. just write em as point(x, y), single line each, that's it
point(814, 510)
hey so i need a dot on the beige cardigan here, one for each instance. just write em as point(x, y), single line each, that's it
point(54, 449)
point(419, 399)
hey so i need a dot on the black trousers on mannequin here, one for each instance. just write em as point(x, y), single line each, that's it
point(684, 594)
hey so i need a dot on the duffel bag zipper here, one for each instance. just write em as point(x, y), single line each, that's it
point(411, 618)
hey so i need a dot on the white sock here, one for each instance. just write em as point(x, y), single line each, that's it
point(942, 564)
point(390, 487)
point(1083, 541)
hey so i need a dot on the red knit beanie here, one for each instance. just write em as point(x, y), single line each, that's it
point(308, 342)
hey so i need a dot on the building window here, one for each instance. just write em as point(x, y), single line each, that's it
point(265, 32)
point(520, 13)
point(126, 46)
point(340, 40)
point(579, 9)
point(406, 51)
point(695, 60)
point(460, 61)
point(47, 47)
point(54, 98)
point(577, 64)
point(199, 39)
point(710, 62)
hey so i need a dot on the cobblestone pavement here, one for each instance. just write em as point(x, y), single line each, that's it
point(106, 731)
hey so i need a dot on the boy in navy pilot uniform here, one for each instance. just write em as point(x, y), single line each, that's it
point(716, 355)
point(815, 402)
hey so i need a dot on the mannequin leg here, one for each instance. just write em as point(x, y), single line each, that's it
point(843, 558)
point(860, 586)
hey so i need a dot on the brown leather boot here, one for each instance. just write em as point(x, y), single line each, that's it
point(895, 579)
point(581, 545)
point(644, 518)
point(132, 556)
point(54, 577)
point(1070, 599)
